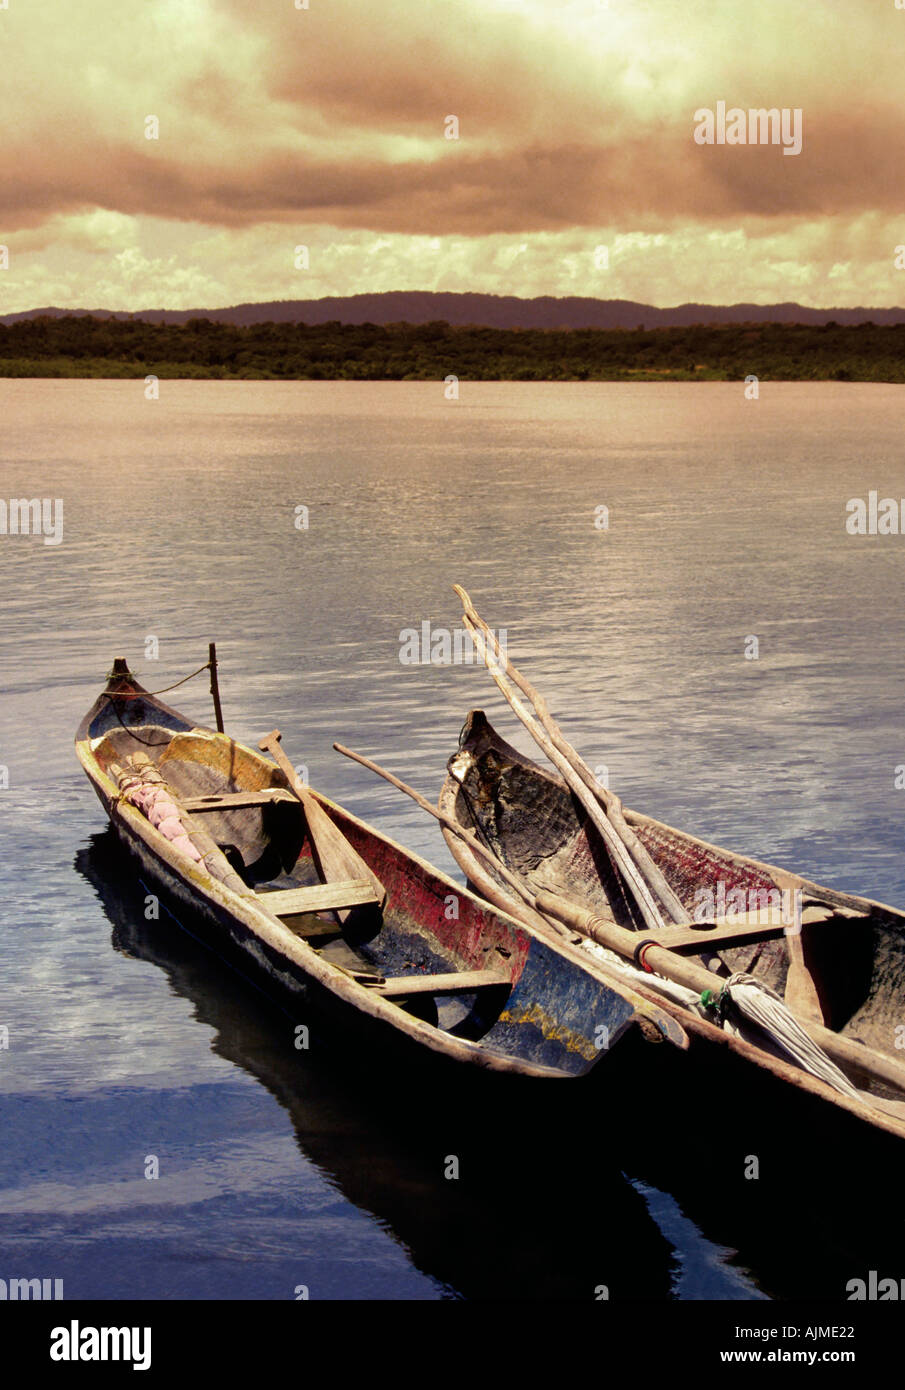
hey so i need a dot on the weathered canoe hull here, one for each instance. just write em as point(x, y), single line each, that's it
point(515, 1225)
point(558, 1013)
point(529, 816)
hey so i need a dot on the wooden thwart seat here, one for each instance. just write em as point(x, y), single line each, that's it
point(461, 982)
point(320, 897)
point(744, 927)
point(234, 801)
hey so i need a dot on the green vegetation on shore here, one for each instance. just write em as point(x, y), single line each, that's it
point(81, 346)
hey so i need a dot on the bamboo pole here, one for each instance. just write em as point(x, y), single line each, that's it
point(612, 805)
point(620, 855)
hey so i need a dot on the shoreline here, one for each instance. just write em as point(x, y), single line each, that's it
point(164, 373)
point(73, 347)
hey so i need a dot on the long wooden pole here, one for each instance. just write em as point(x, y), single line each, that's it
point(624, 863)
point(649, 871)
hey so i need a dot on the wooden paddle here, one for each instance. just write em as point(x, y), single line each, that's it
point(800, 991)
point(335, 858)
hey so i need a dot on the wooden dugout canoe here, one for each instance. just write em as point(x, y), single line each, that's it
point(853, 948)
point(434, 970)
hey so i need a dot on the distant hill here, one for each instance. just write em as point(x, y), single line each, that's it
point(490, 311)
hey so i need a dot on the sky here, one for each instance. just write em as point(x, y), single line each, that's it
point(327, 128)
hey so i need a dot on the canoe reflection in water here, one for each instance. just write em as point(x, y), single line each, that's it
point(528, 1216)
point(543, 1207)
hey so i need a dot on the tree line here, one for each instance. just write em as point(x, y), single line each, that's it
point(77, 345)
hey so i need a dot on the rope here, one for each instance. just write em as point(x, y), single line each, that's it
point(147, 742)
point(680, 994)
point(142, 694)
point(114, 696)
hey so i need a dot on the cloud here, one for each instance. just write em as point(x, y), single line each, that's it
point(837, 261)
point(99, 233)
point(573, 117)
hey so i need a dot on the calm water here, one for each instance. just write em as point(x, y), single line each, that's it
point(726, 522)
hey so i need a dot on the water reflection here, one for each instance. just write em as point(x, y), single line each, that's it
point(642, 1183)
point(527, 1218)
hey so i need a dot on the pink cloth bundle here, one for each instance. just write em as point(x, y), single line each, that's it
point(155, 802)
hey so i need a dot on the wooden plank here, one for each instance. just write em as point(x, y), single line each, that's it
point(314, 928)
point(736, 930)
point(462, 982)
point(730, 931)
point(336, 859)
point(321, 897)
point(234, 801)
